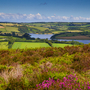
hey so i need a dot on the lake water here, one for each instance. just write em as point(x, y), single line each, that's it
point(82, 41)
point(44, 36)
point(41, 36)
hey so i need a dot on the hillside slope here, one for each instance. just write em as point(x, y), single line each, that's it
point(54, 68)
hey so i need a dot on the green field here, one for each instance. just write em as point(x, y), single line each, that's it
point(40, 28)
point(11, 29)
point(3, 29)
point(55, 27)
point(4, 24)
point(60, 45)
point(23, 45)
point(3, 45)
point(74, 31)
point(2, 37)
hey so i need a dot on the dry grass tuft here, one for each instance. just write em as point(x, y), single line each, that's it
point(16, 72)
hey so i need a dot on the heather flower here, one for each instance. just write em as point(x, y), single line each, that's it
point(68, 83)
point(88, 87)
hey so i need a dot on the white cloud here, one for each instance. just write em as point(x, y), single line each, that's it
point(49, 18)
point(87, 18)
point(39, 17)
point(30, 16)
point(65, 18)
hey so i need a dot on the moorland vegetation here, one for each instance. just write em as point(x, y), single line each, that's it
point(49, 68)
point(53, 65)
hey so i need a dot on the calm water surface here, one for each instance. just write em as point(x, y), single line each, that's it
point(41, 36)
point(44, 36)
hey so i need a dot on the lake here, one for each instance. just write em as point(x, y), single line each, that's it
point(41, 36)
point(44, 36)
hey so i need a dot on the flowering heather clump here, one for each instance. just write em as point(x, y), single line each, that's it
point(70, 82)
point(46, 84)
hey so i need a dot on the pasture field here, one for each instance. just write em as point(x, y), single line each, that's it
point(3, 30)
point(6, 29)
point(10, 24)
point(74, 31)
point(60, 45)
point(63, 28)
point(23, 45)
point(4, 24)
point(11, 29)
point(3, 37)
point(55, 27)
point(0, 39)
point(56, 32)
point(3, 45)
point(40, 28)
point(36, 24)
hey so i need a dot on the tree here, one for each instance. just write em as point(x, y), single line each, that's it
point(0, 31)
point(10, 42)
point(23, 29)
point(27, 36)
point(49, 42)
point(13, 33)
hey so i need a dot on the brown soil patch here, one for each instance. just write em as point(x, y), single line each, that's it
point(1, 27)
point(74, 37)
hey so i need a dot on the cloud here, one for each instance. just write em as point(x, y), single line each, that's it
point(43, 3)
point(38, 17)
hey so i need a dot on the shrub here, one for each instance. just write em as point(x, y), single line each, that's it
point(70, 82)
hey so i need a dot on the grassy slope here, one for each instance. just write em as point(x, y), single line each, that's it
point(40, 28)
point(8, 29)
point(53, 27)
point(11, 29)
point(23, 69)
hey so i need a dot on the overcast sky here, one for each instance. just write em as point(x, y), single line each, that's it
point(45, 10)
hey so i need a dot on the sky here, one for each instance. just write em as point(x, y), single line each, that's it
point(44, 10)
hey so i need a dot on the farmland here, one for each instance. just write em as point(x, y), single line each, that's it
point(60, 45)
point(11, 29)
point(13, 33)
point(50, 28)
point(23, 45)
point(41, 28)
point(3, 45)
point(41, 64)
